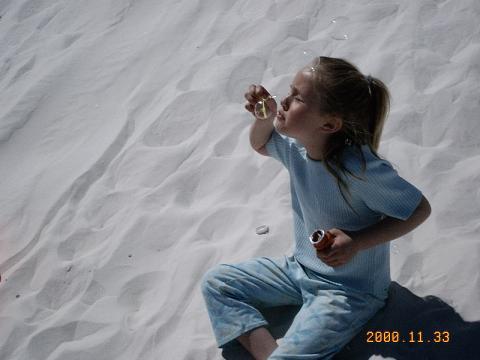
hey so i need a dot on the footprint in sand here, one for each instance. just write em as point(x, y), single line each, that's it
point(249, 71)
point(42, 344)
point(79, 243)
point(224, 49)
point(31, 8)
point(227, 144)
point(25, 68)
point(94, 292)
point(19, 279)
point(178, 123)
point(213, 226)
point(135, 290)
point(46, 20)
point(62, 287)
point(70, 39)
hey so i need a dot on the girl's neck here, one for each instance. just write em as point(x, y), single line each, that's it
point(315, 150)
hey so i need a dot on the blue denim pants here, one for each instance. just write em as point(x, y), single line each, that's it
point(329, 317)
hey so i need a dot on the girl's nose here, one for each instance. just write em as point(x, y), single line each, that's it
point(284, 103)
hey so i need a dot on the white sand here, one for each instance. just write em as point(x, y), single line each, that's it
point(126, 170)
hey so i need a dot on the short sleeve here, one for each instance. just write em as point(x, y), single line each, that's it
point(279, 147)
point(385, 192)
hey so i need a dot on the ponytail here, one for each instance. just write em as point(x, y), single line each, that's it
point(363, 103)
point(379, 108)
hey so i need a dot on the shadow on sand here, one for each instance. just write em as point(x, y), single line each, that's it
point(404, 312)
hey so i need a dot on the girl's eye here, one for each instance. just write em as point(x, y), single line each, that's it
point(298, 99)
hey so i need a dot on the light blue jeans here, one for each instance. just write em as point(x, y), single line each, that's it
point(329, 317)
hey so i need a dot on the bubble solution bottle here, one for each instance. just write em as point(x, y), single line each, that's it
point(321, 239)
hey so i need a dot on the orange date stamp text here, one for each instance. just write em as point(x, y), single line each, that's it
point(392, 336)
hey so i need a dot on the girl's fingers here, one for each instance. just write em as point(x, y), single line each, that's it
point(327, 254)
point(335, 262)
point(334, 231)
point(250, 94)
point(256, 93)
point(261, 92)
point(328, 258)
point(250, 97)
point(250, 107)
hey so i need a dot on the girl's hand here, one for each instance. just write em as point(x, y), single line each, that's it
point(342, 250)
point(258, 93)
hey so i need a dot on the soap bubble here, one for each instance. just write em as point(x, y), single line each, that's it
point(262, 110)
point(307, 56)
point(338, 28)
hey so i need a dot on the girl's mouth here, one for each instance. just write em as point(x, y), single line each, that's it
point(280, 116)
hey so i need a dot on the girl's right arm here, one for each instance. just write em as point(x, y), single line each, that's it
point(260, 130)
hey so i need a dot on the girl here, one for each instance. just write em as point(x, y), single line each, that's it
point(326, 133)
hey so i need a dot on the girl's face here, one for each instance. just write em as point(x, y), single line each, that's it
point(297, 116)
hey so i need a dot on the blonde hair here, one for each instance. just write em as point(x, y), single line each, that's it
point(362, 102)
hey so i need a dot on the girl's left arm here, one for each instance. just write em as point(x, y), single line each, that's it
point(390, 228)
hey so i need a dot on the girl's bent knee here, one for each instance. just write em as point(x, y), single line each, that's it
point(212, 279)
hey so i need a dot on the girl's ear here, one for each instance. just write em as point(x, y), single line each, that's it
point(332, 123)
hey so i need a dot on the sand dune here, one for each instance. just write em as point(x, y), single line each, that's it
point(126, 170)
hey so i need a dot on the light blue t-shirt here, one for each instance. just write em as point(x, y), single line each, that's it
point(318, 204)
